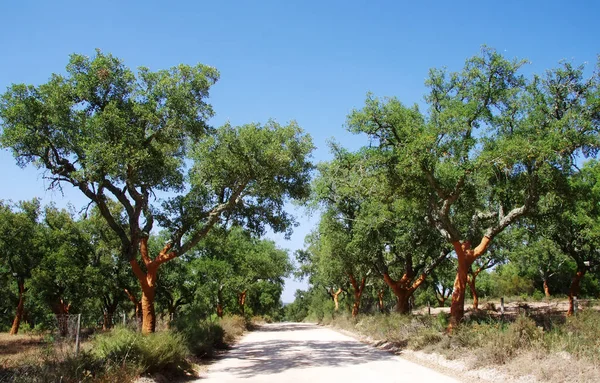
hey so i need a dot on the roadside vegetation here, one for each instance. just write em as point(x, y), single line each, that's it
point(492, 190)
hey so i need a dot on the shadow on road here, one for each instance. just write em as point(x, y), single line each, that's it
point(275, 356)
point(277, 327)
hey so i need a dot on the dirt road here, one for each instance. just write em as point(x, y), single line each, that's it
point(298, 352)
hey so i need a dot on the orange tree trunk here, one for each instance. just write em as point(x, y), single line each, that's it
point(465, 256)
point(574, 290)
point(380, 296)
point(137, 304)
point(61, 310)
point(242, 301)
point(20, 307)
point(148, 314)
point(546, 288)
point(148, 281)
point(472, 285)
point(358, 290)
point(335, 296)
point(403, 290)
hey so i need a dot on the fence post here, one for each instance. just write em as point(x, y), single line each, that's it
point(575, 305)
point(502, 308)
point(124, 318)
point(428, 308)
point(77, 334)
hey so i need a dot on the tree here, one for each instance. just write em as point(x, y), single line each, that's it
point(576, 230)
point(538, 257)
point(491, 145)
point(117, 136)
point(61, 279)
point(340, 192)
point(241, 263)
point(20, 241)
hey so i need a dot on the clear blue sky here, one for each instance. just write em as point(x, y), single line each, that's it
point(312, 61)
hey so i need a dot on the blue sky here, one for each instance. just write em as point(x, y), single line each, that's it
point(311, 61)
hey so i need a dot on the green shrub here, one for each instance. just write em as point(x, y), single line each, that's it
point(202, 337)
point(152, 352)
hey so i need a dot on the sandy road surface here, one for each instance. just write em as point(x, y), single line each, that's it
point(298, 352)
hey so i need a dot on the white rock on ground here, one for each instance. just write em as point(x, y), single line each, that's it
point(299, 352)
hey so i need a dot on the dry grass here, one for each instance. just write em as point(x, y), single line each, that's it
point(548, 347)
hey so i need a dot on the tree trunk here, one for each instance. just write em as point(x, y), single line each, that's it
point(242, 301)
point(335, 297)
point(403, 290)
point(380, 301)
point(137, 304)
point(106, 321)
point(148, 314)
point(358, 290)
point(466, 256)
point(574, 289)
point(61, 310)
point(19, 314)
point(220, 302)
point(402, 304)
point(471, 282)
point(546, 288)
point(441, 300)
point(110, 306)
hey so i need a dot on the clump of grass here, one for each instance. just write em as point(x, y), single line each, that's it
point(233, 326)
point(202, 337)
point(53, 365)
point(578, 336)
point(151, 352)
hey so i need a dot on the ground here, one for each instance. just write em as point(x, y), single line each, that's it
point(299, 352)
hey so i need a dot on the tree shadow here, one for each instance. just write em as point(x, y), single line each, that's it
point(276, 356)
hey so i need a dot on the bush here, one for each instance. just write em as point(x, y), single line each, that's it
point(152, 352)
point(202, 337)
point(578, 336)
point(233, 327)
point(55, 366)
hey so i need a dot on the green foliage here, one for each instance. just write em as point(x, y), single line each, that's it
point(202, 337)
point(152, 352)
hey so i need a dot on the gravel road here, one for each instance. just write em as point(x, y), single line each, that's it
point(299, 352)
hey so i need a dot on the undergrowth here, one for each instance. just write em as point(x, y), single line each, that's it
point(487, 340)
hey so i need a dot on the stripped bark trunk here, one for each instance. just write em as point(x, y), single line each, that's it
point(403, 288)
point(242, 301)
point(148, 281)
point(466, 256)
point(61, 310)
point(358, 290)
point(20, 308)
point(148, 313)
point(137, 304)
point(546, 288)
point(441, 295)
point(335, 297)
point(471, 282)
point(574, 289)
